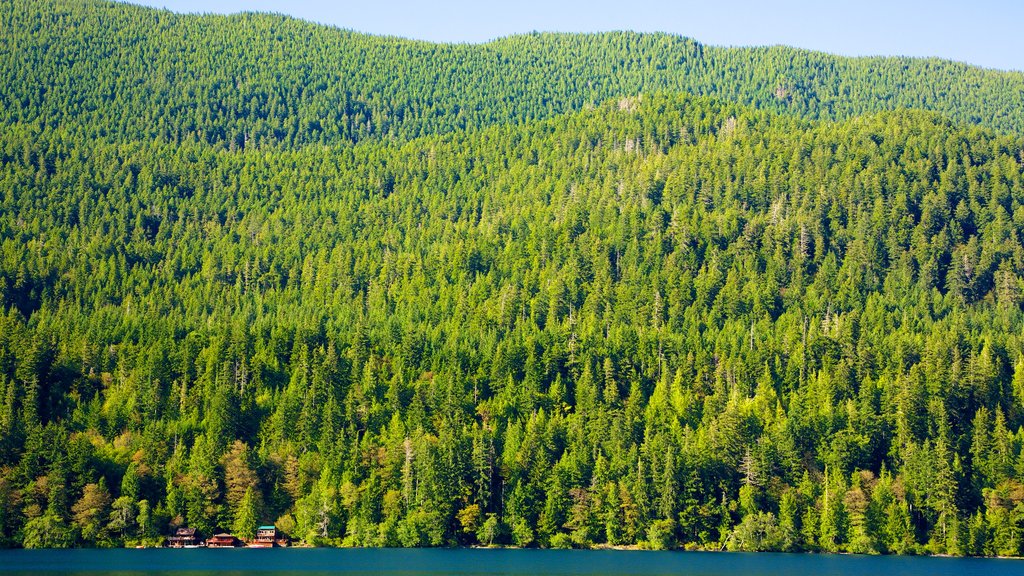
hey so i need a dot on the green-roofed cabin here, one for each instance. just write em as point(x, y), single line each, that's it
point(266, 537)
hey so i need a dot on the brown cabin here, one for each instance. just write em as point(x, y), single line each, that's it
point(184, 538)
point(222, 541)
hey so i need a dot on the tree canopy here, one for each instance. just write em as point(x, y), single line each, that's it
point(592, 311)
point(115, 71)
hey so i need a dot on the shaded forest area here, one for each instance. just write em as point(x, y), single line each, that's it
point(656, 320)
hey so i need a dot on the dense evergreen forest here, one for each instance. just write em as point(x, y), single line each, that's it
point(119, 72)
point(532, 293)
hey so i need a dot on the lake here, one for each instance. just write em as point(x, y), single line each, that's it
point(351, 562)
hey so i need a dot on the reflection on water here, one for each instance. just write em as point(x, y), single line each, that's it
point(466, 562)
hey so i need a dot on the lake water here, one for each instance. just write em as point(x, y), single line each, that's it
point(350, 562)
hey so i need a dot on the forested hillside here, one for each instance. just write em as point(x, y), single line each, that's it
point(659, 320)
point(115, 71)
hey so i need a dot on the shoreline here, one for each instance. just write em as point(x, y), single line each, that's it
point(595, 548)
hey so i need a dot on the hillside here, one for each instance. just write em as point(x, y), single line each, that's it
point(660, 319)
point(117, 71)
point(691, 314)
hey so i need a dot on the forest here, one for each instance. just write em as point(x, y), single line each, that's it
point(614, 290)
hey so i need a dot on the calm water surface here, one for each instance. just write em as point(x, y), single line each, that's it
point(350, 562)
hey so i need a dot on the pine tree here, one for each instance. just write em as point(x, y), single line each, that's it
point(246, 516)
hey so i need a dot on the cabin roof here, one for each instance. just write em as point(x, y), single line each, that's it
point(267, 528)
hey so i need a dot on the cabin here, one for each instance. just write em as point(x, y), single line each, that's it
point(266, 537)
point(222, 541)
point(184, 538)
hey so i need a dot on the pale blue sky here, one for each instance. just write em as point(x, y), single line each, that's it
point(984, 32)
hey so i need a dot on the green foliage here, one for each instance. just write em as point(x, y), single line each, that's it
point(260, 80)
point(246, 517)
point(757, 532)
point(48, 531)
point(661, 535)
point(516, 304)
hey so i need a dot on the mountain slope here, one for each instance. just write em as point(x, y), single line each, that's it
point(116, 71)
point(663, 321)
point(391, 293)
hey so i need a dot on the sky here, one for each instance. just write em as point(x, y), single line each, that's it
point(987, 33)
